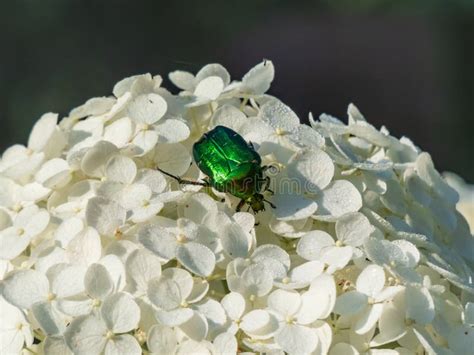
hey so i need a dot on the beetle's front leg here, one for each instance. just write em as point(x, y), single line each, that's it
point(266, 185)
point(182, 181)
point(240, 205)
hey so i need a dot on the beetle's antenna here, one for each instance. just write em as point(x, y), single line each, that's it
point(183, 181)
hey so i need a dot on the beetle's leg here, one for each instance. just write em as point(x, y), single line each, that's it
point(184, 181)
point(266, 185)
point(240, 205)
point(271, 204)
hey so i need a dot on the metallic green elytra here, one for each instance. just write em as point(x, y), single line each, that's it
point(232, 165)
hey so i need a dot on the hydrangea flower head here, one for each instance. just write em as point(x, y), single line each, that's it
point(100, 252)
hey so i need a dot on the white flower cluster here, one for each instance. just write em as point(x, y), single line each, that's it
point(364, 253)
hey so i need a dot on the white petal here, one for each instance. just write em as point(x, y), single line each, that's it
point(121, 169)
point(213, 69)
point(353, 229)
point(305, 273)
point(337, 257)
point(410, 250)
point(197, 258)
point(259, 323)
point(296, 339)
point(225, 343)
point(426, 170)
point(104, 215)
point(56, 345)
point(190, 346)
point(162, 340)
point(165, 293)
point(461, 339)
point(158, 240)
point(93, 162)
point(11, 342)
point(98, 282)
point(286, 303)
point(151, 178)
point(469, 313)
point(343, 349)
point(42, 131)
point(172, 131)
point(67, 230)
point(182, 278)
point(147, 109)
point(323, 289)
point(119, 132)
point(368, 318)
point(66, 280)
point(292, 206)
point(26, 287)
point(258, 79)
point(235, 241)
point(85, 248)
point(120, 312)
point(420, 304)
point(86, 335)
point(125, 85)
point(384, 252)
point(312, 168)
point(196, 327)
point(311, 245)
point(234, 305)
point(54, 174)
point(93, 107)
point(210, 87)
point(123, 344)
point(49, 318)
point(259, 280)
point(229, 116)
point(391, 326)
point(214, 314)
point(175, 317)
point(339, 198)
point(12, 243)
point(116, 270)
point(351, 302)
point(198, 206)
point(268, 251)
point(142, 266)
point(173, 158)
point(371, 280)
point(182, 80)
point(134, 196)
point(144, 141)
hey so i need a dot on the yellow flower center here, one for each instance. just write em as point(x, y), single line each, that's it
point(280, 132)
point(181, 238)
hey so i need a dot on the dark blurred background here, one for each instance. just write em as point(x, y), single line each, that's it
point(406, 64)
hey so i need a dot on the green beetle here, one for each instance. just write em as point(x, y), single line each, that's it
point(232, 165)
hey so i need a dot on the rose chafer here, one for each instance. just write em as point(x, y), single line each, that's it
point(232, 165)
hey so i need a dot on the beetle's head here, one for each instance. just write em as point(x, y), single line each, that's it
point(256, 203)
